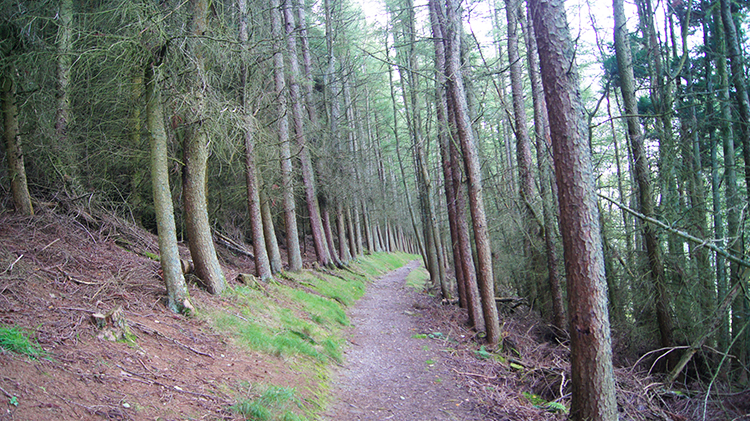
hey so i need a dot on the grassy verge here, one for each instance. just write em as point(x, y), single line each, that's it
point(418, 279)
point(17, 341)
point(299, 319)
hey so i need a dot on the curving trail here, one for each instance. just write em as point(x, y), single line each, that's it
point(388, 374)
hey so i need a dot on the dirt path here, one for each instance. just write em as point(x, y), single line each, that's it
point(389, 374)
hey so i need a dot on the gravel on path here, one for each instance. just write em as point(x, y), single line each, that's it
point(388, 373)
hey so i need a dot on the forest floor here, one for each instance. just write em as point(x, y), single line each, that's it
point(393, 370)
point(409, 356)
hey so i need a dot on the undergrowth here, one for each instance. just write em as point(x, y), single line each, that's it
point(272, 403)
point(17, 341)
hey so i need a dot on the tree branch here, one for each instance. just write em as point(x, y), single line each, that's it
point(703, 243)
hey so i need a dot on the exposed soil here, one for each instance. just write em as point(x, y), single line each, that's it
point(56, 272)
point(391, 374)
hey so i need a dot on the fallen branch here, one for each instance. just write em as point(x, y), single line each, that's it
point(475, 375)
point(232, 245)
point(150, 331)
point(48, 245)
point(173, 387)
point(10, 268)
point(6, 393)
point(72, 279)
point(515, 301)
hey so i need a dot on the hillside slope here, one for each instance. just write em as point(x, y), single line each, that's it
point(57, 270)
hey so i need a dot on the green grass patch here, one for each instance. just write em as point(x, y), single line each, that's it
point(17, 341)
point(418, 278)
point(301, 321)
point(272, 403)
point(285, 335)
point(323, 311)
point(377, 264)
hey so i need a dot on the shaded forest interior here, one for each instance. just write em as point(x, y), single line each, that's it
point(612, 204)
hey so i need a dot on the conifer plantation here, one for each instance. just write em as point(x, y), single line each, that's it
point(594, 177)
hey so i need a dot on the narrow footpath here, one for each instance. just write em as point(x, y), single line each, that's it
point(388, 373)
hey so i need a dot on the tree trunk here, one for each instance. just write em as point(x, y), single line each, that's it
point(358, 231)
point(437, 20)
point(139, 165)
point(741, 306)
point(396, 136)
point(542, 134)
point(262, 263)
point(350, 232)
point(592, 375)
point(642, 174)
point(731, 193)
point(704, 284)
point(616, 299)
point(178, 299)
point(344, 253)
point(326, 216)
point(408, 68)
point(523, 152)
point(13, 151)
point(194, 173)
point(473, 170)
point(369, 234)
point(308, 175)
point(65, 152)
point(269, 233)
point(378, 239)
point(294, 256)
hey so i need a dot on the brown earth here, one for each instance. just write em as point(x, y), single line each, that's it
point(57, 271)
point(409, 357)
point(391, 374)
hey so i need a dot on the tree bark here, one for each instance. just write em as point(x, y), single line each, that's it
point(194, 173)
point(178, 298)
point(262, 263)
point(13, 150)
point(741, 306)
point(642, 174)
point(592, 375)
point(308, 175)
point(542, 134)
point(65, 152)
point(473, 170)
point(294, 256)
